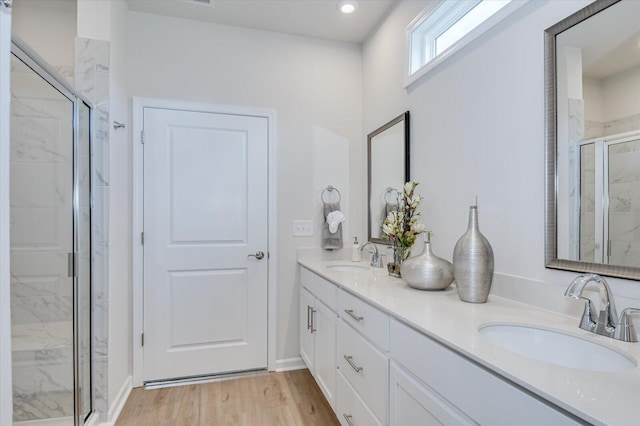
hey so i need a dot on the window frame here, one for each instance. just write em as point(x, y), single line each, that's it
point(436, 19)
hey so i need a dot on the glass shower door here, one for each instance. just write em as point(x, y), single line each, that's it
point(42, 246)
point(623, 209)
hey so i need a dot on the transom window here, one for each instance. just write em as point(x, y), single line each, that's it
point(437, 33)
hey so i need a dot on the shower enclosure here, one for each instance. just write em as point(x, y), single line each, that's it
point(50, 178)
point(609, 199)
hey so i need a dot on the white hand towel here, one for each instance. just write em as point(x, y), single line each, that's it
point(334, 219)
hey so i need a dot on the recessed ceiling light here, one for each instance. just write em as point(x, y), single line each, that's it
point(348, 6)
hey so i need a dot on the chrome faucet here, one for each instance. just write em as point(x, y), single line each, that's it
point(607, 322)
point(625, 330)
point(376, 259)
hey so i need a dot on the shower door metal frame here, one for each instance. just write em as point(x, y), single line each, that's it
point(602, 144)
point(35, 62)
point(6, 391)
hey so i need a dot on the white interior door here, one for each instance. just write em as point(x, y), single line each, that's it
point(205, 215)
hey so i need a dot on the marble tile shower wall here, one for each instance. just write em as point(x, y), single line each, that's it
point(91, 79)
point(587, 203)
point(597, 129)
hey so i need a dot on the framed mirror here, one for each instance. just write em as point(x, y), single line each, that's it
point(388, 170)
point(592, 101)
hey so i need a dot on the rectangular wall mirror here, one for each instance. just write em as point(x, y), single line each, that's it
point(592, 86)
point(388, 167)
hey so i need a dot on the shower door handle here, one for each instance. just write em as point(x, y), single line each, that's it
point(72, 265)
point(259, 255)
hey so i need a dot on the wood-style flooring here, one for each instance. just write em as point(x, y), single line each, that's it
point(288, 398)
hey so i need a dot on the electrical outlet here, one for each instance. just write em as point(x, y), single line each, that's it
point(302, 228)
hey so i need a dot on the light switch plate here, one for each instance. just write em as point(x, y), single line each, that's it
point(302, 228)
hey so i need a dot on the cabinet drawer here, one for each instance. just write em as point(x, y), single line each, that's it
point(350, 406)
point(473, 390)
point(366, 369)
point(369, 321)
point(412, 403)
point(321, 288)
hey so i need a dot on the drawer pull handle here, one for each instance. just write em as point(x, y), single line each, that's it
point(349, 359)
point(352, 315)
point(348, 418)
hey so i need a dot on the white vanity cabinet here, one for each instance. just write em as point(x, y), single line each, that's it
point(318, 330)
point(436, 385)
point(363, 364)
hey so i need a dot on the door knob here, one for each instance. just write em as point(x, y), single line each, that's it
point(259, 255)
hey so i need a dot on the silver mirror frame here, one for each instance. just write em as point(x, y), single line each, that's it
point(404, 117)
point(551, 184)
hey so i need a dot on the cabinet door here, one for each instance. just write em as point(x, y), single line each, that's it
point(306, 337)
point(413, 404)
point(324, 324)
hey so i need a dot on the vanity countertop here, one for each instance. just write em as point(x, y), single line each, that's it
point(606, 398)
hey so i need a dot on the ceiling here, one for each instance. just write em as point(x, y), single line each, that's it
point(312, 18)
point(609, 41)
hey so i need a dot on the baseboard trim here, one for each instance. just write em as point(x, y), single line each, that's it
point(58, 421)
point(289, 364)
point(118, 403)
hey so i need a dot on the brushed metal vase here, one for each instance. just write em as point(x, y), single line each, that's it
point(473, 263)
point(427, 271)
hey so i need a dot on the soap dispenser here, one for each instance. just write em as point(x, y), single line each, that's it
point(356, 256)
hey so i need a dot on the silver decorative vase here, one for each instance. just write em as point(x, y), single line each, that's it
point(473, 263)
point(427, 271)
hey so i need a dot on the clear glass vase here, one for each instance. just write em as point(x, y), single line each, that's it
point(400, 254)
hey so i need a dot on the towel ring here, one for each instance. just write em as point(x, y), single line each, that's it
point(391, 190)
point(330, 188)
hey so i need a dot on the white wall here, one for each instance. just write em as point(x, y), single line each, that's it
point(594, 108)
point(614, 97)
point(622, 94)
point(315, 87)
point(48, 27)
point(477, 129)
point(120, 263)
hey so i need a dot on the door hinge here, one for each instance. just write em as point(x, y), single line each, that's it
point(142, 339)
point(142, 137)
point(142, 238)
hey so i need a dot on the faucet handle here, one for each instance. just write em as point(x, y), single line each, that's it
point(377, 261)
point(625, 329)
point(588, 321)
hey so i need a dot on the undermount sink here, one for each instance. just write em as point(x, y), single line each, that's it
point(348, 268)
point(555, 347)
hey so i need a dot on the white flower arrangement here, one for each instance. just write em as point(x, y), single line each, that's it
point(401, 226)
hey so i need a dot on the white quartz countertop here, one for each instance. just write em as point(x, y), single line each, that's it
point(606, 398)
